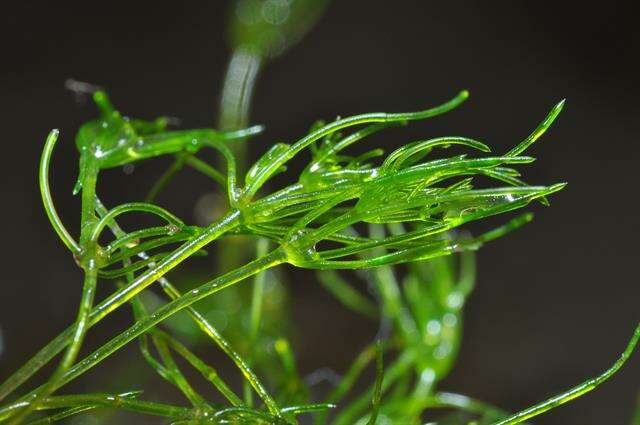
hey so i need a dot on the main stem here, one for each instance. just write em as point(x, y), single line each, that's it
point(235, 104)
point(88, 261)
point(237, 93)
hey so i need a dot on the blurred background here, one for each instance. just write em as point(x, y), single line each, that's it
point(555, 302)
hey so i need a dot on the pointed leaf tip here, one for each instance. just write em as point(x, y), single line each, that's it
point(539, 131)
point(256, 129)
point(77, 187)
point(555, 111)
point(558, 186)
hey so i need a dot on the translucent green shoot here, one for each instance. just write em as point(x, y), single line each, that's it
point(347, 382)
point(213, 333)
point(377, 388)
point(166, 177)
point(119, 401)
point(396, 370)
point(539, 131)
point(45, 192)
point(125, 401)
point(576, 391)
point(346, 294)
point(635, 420)
point(208, 372)
point(72, 411)
point(168, 369)
point(262, 247)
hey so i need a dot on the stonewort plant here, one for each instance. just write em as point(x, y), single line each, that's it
point(365, 213)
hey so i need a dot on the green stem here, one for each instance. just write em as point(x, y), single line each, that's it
point(262, 247)
point(237, 93)
point(398, 368)
point(389, 289)
point(346, 294)
point(176, 374)
point(348, 381)
point(224, 225)
point(139, 328)
point(234, 110)
point(47, 200)
point(446, 399)
point(106, 400)
point(213, 333)
point(88, 294)
point(166, 177)
point(377, 391)
point(88, 260)
point(576, 391)
point(206, 169)
point(134, 207)
point(169, 369)
point(209, 373)
point(56, 418)
point(132, 239)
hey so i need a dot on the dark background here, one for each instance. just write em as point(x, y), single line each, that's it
point(556, 301)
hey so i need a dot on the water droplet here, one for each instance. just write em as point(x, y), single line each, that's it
point(427, 376)
point(455, 300)
point(433, 327)
point(275, 12)
point(450, 320)
point(298, 249)
point(442, 351)
point(172, 229)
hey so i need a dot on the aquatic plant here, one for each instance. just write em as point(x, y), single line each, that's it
point(365, 213)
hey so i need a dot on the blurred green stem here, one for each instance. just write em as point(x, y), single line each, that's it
point(235, 107)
